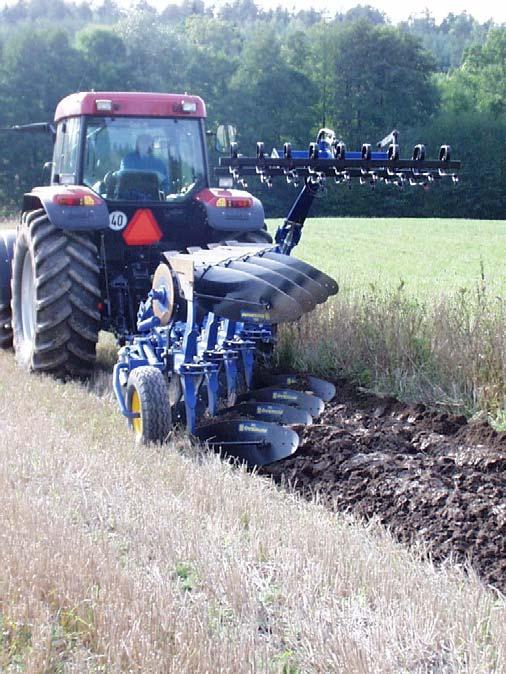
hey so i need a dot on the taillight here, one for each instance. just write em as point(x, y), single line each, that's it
point(233, 202)
point(224, 199)
point(76, 198)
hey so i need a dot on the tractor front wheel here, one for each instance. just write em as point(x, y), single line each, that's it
point(148, 396)
point(55, 296)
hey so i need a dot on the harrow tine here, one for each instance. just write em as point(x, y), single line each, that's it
point(306, 401)
point(258, 443)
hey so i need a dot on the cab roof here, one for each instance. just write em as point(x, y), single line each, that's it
point(135, 104)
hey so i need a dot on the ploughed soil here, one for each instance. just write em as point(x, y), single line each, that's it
point(427, 475)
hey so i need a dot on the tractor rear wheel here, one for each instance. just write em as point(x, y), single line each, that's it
point(148, 396)
point(55, 293)
point(7, 239)
point(5, 326)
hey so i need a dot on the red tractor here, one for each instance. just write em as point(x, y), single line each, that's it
point(130, 237)
point(129, 180)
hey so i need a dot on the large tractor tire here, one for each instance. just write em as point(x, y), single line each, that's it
point(55, 296)
point(7, 239)
point(148, 396)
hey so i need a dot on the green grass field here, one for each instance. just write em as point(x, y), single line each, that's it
point(420, 313)
point(428, 255)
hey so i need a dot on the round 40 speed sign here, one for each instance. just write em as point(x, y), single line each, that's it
point(117, 220)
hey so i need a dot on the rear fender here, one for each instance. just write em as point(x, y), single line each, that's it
point(7, 240)
point(228, 219)
point(83, 217)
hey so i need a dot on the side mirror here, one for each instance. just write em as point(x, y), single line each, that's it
point(47, 170)
point(226, 134)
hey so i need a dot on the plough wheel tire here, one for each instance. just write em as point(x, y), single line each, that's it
point(148, 396)
point(55, 293)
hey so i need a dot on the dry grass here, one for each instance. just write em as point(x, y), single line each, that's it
point(117, 559)
point(449, 350)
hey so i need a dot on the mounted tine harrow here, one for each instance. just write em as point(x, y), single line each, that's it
point(329, 158)
point(185, 275)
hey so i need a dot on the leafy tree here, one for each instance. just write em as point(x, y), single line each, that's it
point(240, 11)
point(107, 12)
point(213, 56)
point(104, 55)
point(15, 13)
point(381, 80)
point(278, 76)
point(158, 63)
point(448, 41)
point(274, 102)
point(365, 13)
point(30, 90)
point(480, 83)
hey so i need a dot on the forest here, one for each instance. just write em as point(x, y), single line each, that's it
point(277, 76)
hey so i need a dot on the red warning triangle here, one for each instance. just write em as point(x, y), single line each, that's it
point(142, 229)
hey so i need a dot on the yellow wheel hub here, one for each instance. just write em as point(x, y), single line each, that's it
point(136, 407)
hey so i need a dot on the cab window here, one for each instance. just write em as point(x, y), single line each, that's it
point(66, 150)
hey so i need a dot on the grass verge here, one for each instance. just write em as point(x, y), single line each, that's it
point(449, 351)
point(421, 312)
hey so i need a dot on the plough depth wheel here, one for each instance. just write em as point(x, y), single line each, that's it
point(148, 397)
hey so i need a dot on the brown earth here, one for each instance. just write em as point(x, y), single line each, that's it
point(427, 475)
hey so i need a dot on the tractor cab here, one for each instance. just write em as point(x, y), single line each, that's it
point(140, 158)
point(131, 147)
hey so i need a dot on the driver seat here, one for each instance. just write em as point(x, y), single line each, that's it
point(130, 185)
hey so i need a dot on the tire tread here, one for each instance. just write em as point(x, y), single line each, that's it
point(67, 291)
point(154, 398)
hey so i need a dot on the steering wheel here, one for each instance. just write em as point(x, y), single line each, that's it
point(109, 181)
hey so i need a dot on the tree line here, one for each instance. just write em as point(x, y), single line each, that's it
point(278, 76)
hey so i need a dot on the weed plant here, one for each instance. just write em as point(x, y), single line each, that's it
point(449, 350)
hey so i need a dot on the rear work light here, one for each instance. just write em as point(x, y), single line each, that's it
point(188, 106)
point(103, 105)
point(76, 198)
